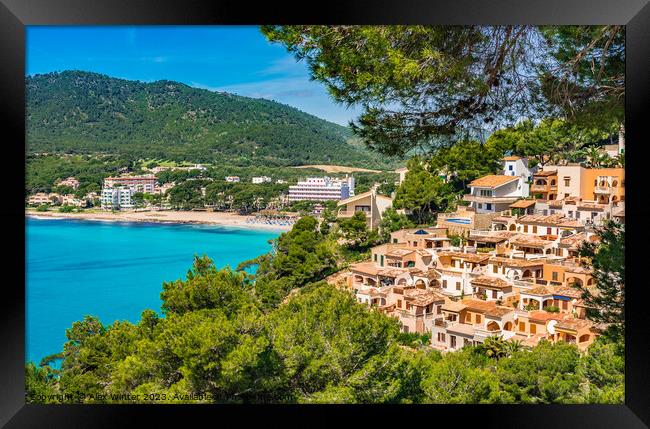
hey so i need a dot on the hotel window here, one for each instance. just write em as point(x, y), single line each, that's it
point(554, 276)
point(382, 260)
point(375, 257)
point(438, 309)
point(533, 328)
point(522, 327)
point(525, 228)
point(534, 229)
point(468, 318)
point(453, 340)
point(564, 305)
point(567, 181)
point(495, 269)
point(494, 294)
point(457, 285)
point(441, 337)
point(399, 303)
point(444, 284)
point(488, 206)
point(478, 318)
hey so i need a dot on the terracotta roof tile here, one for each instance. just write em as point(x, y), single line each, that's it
point(522, 204)
point(493, 282)
point(493, 181)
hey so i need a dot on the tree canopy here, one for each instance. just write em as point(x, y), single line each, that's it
point(423, 85)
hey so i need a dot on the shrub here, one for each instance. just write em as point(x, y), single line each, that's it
point(552, 309)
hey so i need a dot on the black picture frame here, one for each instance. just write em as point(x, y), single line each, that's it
point(16, 14)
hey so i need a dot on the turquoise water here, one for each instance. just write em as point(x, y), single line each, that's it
point(114, 270)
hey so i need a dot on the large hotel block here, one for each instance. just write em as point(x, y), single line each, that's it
point(322, 188)
point(137, 183)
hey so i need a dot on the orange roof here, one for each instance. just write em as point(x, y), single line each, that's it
point(538, 291)
point(522, 204)
point(493, 181)
point(492, 282)
point(545, 173)
point(489, 308)
point(421, 297)
point(511, 158)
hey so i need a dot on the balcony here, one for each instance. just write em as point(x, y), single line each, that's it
point(444, 323)
point(480, 199)
point(348, 214)
point(603, 190)
point(539, 188)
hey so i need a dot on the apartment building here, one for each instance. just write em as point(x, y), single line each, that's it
point(70, 181)
point(43, 198)
point(600, 185)
point(321, 189)
point(457, 270)
point(116, 198)
point(146, 183)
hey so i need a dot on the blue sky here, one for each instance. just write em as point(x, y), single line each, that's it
point(236, 59)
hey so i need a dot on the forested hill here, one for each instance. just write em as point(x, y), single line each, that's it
point(82, 112)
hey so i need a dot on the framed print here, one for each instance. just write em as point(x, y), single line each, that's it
point(262, 212)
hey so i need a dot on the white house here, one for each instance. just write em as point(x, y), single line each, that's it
point(495, 193)
point(261, 179)
point(518, 166)
point(232, 179)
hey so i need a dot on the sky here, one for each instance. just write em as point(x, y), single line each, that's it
point(236, 59)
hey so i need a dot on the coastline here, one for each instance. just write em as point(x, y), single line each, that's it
point(166, 216)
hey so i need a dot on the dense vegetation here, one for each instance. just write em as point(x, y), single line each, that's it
point(423, 86)
point(285, 336)
point(83, 112)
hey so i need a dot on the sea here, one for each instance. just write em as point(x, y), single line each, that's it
point(114, 270)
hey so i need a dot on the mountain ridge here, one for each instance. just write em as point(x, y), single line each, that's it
point(85, 112)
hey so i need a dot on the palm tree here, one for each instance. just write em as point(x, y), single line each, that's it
point(594, 157)
point(512, 347)
point(494, 347)
point(620, 160)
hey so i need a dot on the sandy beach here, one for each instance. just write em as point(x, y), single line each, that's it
point(167, 216)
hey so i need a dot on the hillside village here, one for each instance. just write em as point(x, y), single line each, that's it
point(507, 264)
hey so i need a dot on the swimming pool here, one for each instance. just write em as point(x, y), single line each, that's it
point(463, 220)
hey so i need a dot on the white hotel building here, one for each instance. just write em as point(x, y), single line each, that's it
point(322, 188)
point(117, 198)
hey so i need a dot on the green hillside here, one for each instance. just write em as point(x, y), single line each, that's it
point(82, 112)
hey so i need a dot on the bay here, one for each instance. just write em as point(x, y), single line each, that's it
point(114, 270)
